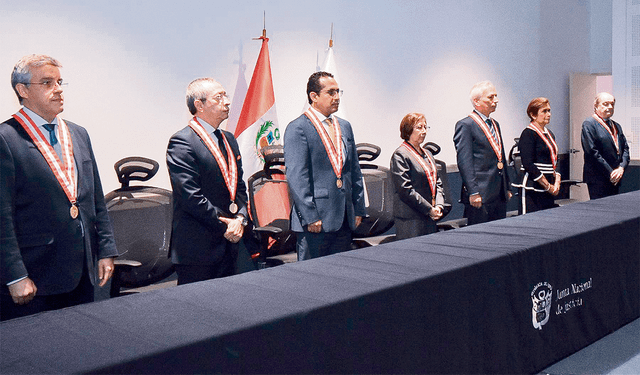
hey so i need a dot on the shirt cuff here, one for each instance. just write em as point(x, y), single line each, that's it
point(18, 280)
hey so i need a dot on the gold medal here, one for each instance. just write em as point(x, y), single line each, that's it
point(500, 165)
point(339, 183)
point(233, 208)
point(73, 211)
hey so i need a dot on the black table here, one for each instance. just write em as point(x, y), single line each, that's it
point(452, 302)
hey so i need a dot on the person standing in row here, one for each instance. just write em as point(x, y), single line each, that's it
point(325, 181)
point(606, 151)
point(539, 155)
point(418, 199)
point(481, 159)
point(209, 194)
point(56, 240)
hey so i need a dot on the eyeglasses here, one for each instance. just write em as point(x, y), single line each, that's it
point(334, 92)
point(217, 98)
point(50, 83)
point(422, 127)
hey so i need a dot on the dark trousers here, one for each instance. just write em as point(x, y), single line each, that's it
point(314, 245)
point(226, 266)
point(409, 228)
point(602, 190)
point(83, 293)
point(487, 212)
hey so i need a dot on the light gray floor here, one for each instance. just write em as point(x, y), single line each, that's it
point(616, 353)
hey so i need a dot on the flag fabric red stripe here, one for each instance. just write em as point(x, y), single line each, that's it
point(260, 95)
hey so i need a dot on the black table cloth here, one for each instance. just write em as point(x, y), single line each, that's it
point(453, 302)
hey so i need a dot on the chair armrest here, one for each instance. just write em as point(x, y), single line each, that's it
point(268, 229)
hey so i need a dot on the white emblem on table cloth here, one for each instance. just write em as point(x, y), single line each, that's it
point(541, 297)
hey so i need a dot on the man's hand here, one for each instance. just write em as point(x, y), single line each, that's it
point(358, 220)
point(616, 175)
point(235, 230)
point(317, 226)
point(23, 291)
point(476, 200)
point(436, 213)
point(105, 270)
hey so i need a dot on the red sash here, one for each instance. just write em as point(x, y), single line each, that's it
point(64, 170)
point(614, 134)
point(429, 168)
point(549, 141)
point(230, 171)
point(334, 149)
point(496, 144)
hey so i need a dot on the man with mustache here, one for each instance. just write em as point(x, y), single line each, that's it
point(209, 195)
point(481, 159)
point(325, 182)
point(56, 240)
point(606, 151)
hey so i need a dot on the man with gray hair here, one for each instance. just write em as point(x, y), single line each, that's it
point(56, 240)
point(209, 194)
point(481, 159)
point(606, 151)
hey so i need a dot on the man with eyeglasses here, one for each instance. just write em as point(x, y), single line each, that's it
point(209, 194)
point(325, 182)
point(56, 240)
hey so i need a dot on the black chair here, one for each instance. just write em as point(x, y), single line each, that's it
point(378, 197)
point(270, 207)
point(141, 218)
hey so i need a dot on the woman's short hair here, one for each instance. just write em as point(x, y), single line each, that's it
point(408, 123)
point(534, 106)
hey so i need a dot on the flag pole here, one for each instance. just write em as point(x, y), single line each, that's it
point(264, 27)
point(331, 38)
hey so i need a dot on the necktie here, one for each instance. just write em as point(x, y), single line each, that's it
point(331, 131)
point(52, 133)
point(493, 131)
point(223, 149)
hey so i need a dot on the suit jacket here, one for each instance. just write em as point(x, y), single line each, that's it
point(412, 194)
point(200, 196)
point(312, 181)
point(536, 160)
point(38, 237)
point(600, 154)
point(478, 163)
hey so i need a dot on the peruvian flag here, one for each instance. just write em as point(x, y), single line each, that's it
point(258, 123)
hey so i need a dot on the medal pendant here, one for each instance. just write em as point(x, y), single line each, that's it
point(233, 208)
point(73, 211)
point(339, 183)
point(500, 165)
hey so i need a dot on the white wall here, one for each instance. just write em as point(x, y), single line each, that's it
point(128, 62)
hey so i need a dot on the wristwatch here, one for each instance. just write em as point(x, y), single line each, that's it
point(243, 219)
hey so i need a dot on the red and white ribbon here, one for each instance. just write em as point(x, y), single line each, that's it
point(428, 165)
point(496, 144)
point(64, 170)
point(334, 149)
point(549, 141)
point(230, 170)
point(613, 134)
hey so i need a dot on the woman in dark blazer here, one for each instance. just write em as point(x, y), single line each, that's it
point(418, 198)
point(539, 152)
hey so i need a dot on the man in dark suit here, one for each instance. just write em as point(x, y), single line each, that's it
point(325, 182)
point(209, 195)
point(54, 227)
point(606, 152)
point(481, 159)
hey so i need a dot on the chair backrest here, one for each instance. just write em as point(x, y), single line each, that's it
point(141, 218)
point(269, 201)
point(379, 193)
